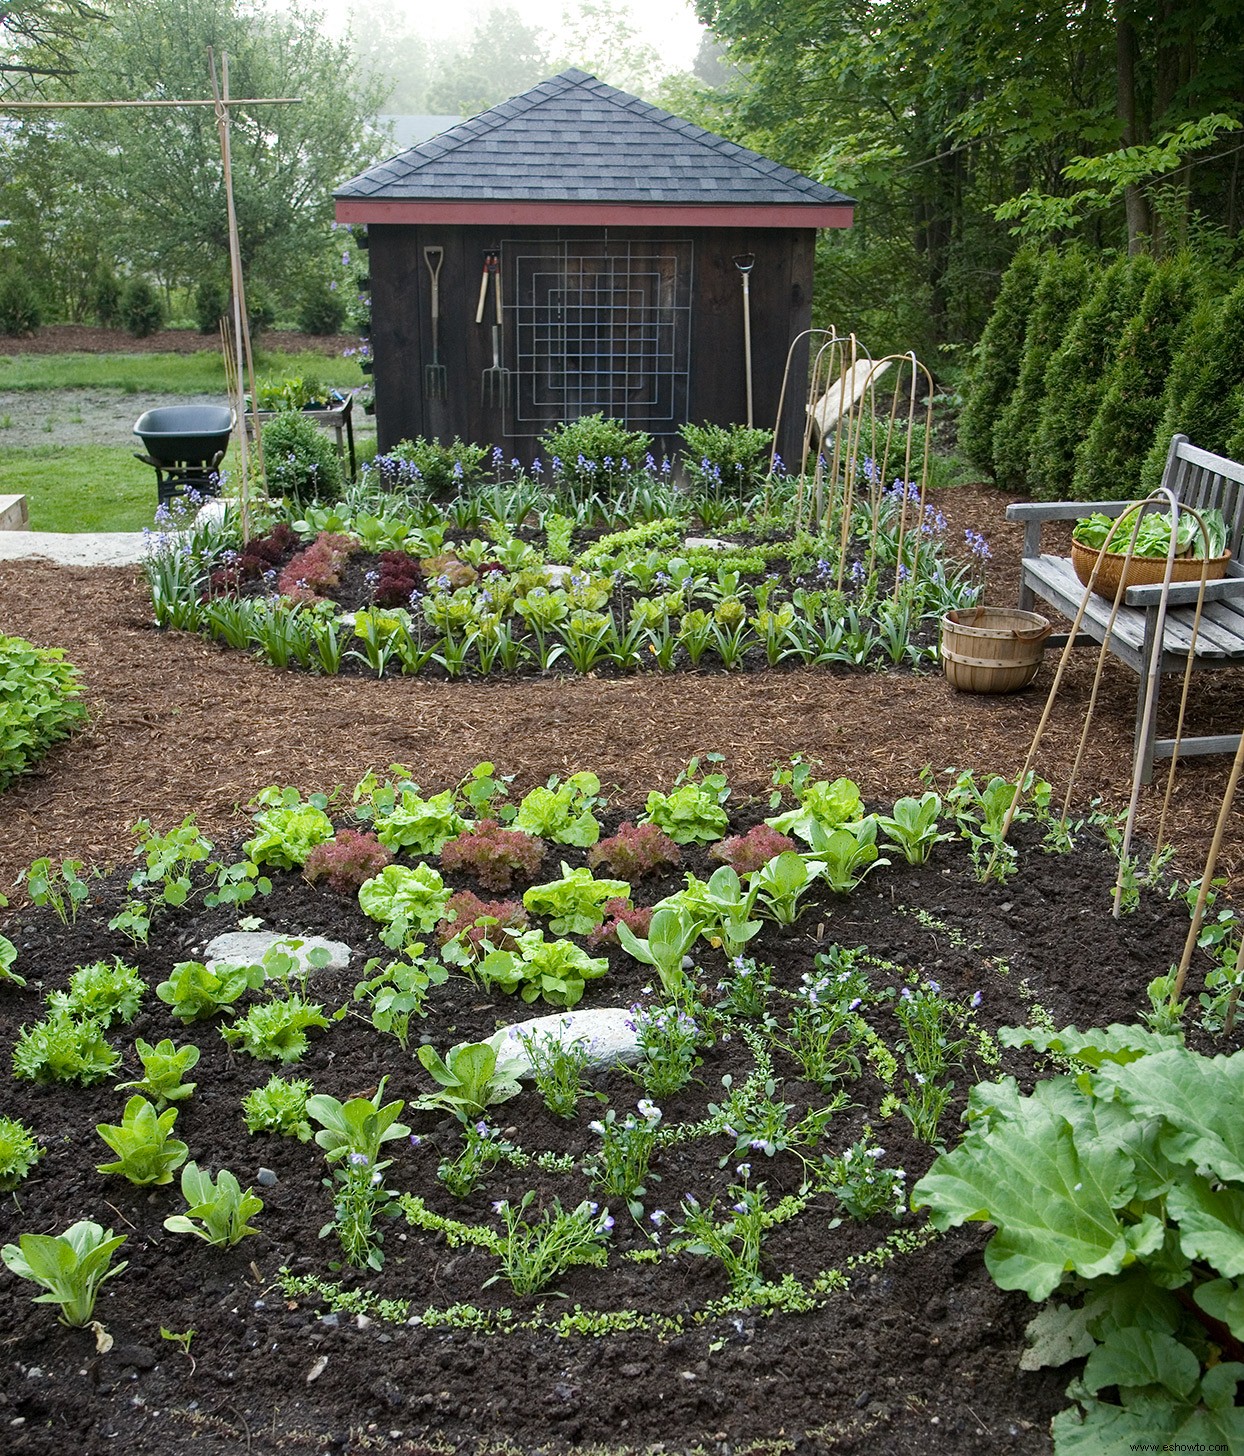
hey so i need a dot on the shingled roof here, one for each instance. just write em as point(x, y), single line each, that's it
point(574, 143)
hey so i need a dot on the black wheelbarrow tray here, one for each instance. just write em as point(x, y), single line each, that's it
point(185, 444)
point(185, 434)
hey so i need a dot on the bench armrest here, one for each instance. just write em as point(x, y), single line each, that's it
point(1064, 510)
point(1185, 593)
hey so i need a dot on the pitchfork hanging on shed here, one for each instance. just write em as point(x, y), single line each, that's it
point(495, 382)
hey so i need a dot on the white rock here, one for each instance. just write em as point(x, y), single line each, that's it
point(212, 512)
point(709, 543)
point(248, 947)
point(608, 1033)
point(558, 575)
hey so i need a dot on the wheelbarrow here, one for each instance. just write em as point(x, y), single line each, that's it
point(185, 444)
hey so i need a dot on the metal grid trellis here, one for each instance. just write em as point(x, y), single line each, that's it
point(601, 326)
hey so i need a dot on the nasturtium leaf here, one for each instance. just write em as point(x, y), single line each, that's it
point(1211, 1223)
point(1223, 1300)
point(1052, 1201)
point(1142, 1357)
point(1199, 1097)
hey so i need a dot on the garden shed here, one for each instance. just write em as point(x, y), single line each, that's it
point(586, 252)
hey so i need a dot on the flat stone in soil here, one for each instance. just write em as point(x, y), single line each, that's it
point(608, 1033)
point(248, 948)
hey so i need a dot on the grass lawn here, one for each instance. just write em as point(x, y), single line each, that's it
point(80, 487)
point(201, 373)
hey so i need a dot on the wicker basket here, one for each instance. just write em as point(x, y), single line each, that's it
point(992, 649)
point(1118, 573)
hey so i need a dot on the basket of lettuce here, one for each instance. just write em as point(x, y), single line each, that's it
point(1197, 555)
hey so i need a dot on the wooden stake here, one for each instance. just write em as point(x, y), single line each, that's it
point(241, 323)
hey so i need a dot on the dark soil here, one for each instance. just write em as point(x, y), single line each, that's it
point(918, 1354)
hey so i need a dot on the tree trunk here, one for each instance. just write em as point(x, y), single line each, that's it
point(1139, 220)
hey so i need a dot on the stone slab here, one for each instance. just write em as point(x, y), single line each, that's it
point(248, 948)
point(13, 513)
point(608, 1032)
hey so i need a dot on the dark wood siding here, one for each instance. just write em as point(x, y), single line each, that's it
point(781, 302)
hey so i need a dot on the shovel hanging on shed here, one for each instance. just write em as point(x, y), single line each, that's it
point(745, 262)
point(434, 373)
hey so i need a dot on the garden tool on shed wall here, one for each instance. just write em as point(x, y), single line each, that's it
point(495, 381)
point(745, 262)
point(434, 373)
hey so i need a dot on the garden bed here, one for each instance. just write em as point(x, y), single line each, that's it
point(906, 1342)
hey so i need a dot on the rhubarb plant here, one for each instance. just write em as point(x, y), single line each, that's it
point(1117, 1189)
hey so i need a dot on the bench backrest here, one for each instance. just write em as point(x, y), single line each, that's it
point(1201, 479)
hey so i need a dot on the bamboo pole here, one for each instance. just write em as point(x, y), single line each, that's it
point(241, 323)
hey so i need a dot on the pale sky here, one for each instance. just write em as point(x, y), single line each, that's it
point(669, 26)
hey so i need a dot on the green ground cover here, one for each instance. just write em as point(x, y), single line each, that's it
point(200, 373)
point(80, 487)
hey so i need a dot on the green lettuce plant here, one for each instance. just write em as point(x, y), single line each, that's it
point(103, 992)
point(286, 833)
point(422, 826)
point(555, 970)
point(163, 1067)
point(473, 1076)
point(276, 1031)
point(279, 1107)
point(822, 806)
point(217, 1210)
point(575, 904)
point(1117, 1188)
point(18, 1153)
point(147, 1153)
point(194, 992)
point(691, 813)
point(406, 901)
point(561, 811)
point(70, 1266)
point(63, 1048)
point(38, 689)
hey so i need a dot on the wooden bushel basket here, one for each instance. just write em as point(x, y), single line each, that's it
point(1118, 573)
point(992, 649)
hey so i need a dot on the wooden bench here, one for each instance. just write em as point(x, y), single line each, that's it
point(1198, 479)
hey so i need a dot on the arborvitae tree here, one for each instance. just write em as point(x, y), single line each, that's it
point(997, 366)
point(1235, 445)
point(1075, 376)
point(1109, 459)
point(1206, 392)
point(1061, 289)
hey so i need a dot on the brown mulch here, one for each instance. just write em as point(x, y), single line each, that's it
point(180, 725)
point(87, 339)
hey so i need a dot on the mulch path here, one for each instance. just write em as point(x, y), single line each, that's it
point(87, 339)
point(180, 725)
